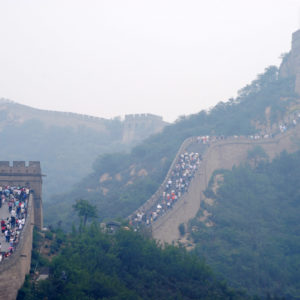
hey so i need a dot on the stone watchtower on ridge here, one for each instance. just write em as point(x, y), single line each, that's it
point(137, 126)
point(22, 175)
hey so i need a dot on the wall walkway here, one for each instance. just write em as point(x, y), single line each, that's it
point(219, 155)
point(14, 268)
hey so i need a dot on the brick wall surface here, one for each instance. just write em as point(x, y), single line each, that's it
point(220, 155)
point(14, 268)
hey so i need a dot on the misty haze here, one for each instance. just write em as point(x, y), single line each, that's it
point(150, 149)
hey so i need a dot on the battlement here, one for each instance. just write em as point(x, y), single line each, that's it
point(136, 125)
point(20, 167)
point(142, 117)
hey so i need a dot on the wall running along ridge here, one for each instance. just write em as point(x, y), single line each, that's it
point(31, 175)
point(14, 268)
point(220, 155)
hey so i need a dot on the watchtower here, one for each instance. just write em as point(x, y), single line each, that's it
point(21, 175)
point(136, 126)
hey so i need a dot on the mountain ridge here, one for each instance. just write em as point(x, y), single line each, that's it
point(66, 143)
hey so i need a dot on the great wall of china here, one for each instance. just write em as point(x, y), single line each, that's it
point(222, 154)
point(14, 268)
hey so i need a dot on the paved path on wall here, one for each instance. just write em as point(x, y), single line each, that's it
point(4, 214)
point(220, 155)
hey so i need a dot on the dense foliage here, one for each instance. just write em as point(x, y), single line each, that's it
point(95, 265)
point(255, 240)
point(121, 182)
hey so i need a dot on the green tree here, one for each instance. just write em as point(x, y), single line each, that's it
point(181, 229)
point(257, 154)
point(85, 210)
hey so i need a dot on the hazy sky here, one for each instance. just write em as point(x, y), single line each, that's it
point(115, 57)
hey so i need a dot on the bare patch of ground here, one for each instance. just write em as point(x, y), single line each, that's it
point(187, 242)
point(132, 172)
point(205, 215)
point(219, 178)
point(104, 191)
point(205, 218)
point(118, 177)
point(142, 172)
point(105, 177)
point(209, 201)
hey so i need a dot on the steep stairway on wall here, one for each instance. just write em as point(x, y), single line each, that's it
point(222, 154)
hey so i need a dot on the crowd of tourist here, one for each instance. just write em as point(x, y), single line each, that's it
point(15, 201)
point(181, 175)
point(176, 185)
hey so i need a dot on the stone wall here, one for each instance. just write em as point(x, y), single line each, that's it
point(14, 268)
point(154, 198)
point(220, 155)
point(136, 126)
point(25, 175)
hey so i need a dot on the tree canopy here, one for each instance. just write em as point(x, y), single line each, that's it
point(125, 189)
point(254, 241)
point(85, 210)
point(96, 265)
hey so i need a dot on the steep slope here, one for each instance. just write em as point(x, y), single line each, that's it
point(120, 183)
point(248, 229)
point(220, 155)
point(95, 265)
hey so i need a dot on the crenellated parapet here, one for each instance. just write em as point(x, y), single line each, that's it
point(33, 167)
point(142, 117)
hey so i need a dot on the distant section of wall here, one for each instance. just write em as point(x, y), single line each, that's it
point(21, 174)
point(137, 126)
point(14, 268)
point(220, 155)
point(15, 114)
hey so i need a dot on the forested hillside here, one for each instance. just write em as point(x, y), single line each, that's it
point(95, 265)
point(121, 182)
point(249, 233)
point(66, 144)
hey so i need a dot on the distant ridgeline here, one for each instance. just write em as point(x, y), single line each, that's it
point(246, 228)
point(134, 127)
point(67, 144)
point(122, 182)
